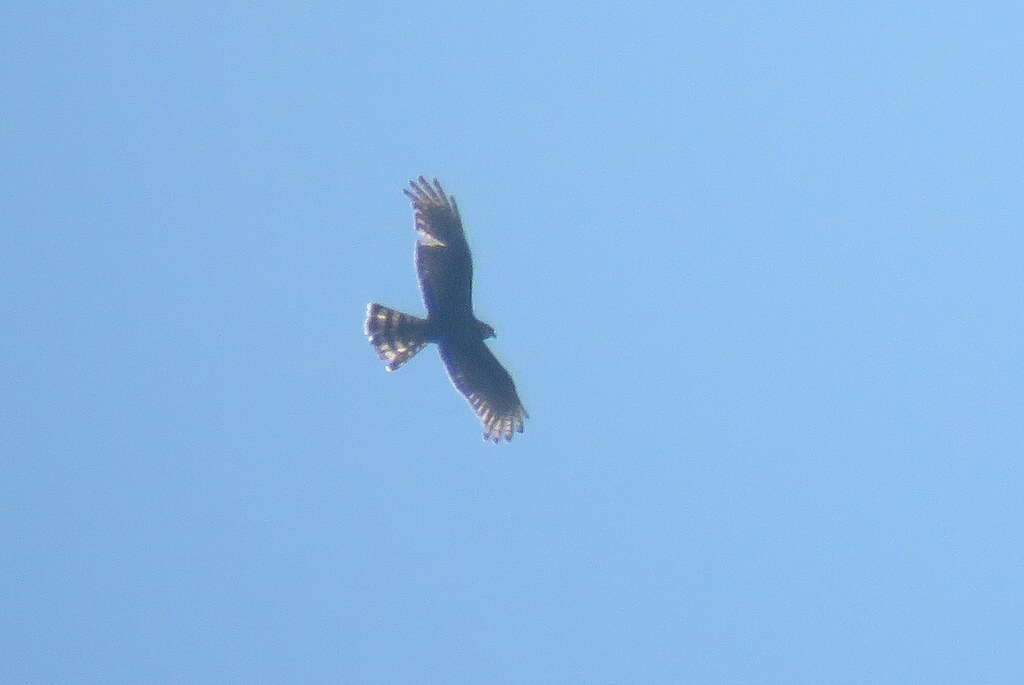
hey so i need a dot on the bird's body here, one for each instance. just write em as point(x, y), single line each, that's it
point(445, 269)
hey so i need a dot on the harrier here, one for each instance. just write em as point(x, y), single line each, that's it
point(445, 270)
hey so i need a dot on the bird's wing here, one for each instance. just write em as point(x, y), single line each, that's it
point(443, 262)
point(479, 376)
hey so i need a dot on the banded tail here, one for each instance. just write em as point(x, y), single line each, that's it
point(395, 336)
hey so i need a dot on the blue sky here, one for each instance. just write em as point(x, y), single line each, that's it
point(756, 269)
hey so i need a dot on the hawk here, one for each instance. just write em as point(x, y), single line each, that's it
point(445, 270)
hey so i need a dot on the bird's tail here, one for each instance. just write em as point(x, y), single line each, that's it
point(395, 336)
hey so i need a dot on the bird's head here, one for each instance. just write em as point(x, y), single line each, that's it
point(485, 330)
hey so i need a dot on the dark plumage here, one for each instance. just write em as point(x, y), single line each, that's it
point(445, 270)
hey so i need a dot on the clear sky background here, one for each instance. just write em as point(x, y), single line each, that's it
point(756, 268)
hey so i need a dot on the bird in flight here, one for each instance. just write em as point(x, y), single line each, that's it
point(445, 270)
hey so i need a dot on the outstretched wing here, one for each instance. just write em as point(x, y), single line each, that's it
point(443, 262)
point(487, 386)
